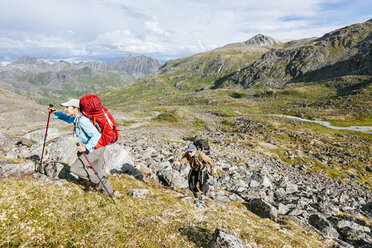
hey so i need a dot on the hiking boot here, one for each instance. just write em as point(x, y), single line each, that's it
point(197, 195)
point(86, 184)
point(99, 186)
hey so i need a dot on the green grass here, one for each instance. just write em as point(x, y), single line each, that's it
point(38, 215)
point(228, 123)
point(364, 120)
point(168, 116)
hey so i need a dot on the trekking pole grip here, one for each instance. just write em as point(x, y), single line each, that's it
point(51, 106)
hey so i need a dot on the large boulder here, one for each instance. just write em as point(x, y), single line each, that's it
point(323, 225)
point(223, 239)
point(38, 135)
point(368, 208)
point(262, 209)
point(260, 180)
point(115, 158)
point(16, 170)
point(172, 178)
point(130, 170)
point(356, 237)
point(63, 150)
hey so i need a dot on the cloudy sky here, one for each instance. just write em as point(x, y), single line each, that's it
point(164, 29)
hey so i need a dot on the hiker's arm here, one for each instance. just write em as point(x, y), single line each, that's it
point(181, 161)
point(92, 133)
point(209, 161)
point(64, 117)
point(211, 166)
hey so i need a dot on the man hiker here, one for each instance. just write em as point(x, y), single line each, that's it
point(198, 175)
point(89, 136)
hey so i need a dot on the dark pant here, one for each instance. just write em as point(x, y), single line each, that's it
point(198, 177)
point(82, 169)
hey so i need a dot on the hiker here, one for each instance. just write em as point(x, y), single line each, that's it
point(198, 175)
point(89, 136)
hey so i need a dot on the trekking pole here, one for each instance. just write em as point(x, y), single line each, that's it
point(95, 172)
point(45, 136)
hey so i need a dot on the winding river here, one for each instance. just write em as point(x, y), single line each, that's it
point(366, 129)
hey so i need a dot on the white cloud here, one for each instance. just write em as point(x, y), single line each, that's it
point(164, 28)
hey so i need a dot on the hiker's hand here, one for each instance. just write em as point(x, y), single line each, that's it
point(213, 171)
point(81, 149)
point(51, 110)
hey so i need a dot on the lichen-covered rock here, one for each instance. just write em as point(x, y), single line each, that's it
point(223, 239)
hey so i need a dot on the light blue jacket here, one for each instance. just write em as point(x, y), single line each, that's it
point(84, 129)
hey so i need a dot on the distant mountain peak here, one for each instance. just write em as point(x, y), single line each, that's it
point(261, 40)
point(26, 60)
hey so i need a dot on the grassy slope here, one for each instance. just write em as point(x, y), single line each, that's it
point(34, 214)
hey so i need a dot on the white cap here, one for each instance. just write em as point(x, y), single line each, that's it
point(72, 102)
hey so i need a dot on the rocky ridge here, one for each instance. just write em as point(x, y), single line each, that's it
point(339, 211)
point(57, 79)
point(341, 52)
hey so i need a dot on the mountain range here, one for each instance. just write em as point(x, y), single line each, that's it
point(43, 80)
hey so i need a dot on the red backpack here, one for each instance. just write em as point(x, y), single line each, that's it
point(91, 106)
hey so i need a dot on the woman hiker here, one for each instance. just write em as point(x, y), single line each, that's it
point(198, 175)
point(89, 136)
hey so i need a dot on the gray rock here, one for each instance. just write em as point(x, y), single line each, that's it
point(343, 244)
point(221, 198)
point(331, 232)
point(156, 166)
point(262, 193)
point(52, 169)
point(368, 208)
point(356, 237)
point(344, 223)
point(149, 153)
point(295, 219)
point(138, 193)
point(283, 209)
point(234, 197)
point(259, 180)
point(16, 170)
point(262, 209)
point(62, 150)
point(295, 212)
point(115, 157)
point(25, 142)
point(323, 225)
point(37, 136)
point(290, 187)
point(130, 170)
point(280, 192)
point(223, 239)
point(172, 178)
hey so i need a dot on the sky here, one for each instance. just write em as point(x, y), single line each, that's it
point(109, 30)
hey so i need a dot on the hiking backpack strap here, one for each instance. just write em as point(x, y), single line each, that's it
point(106, 116)
point(197, 159)
point(77, 125)
point(108, 119)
